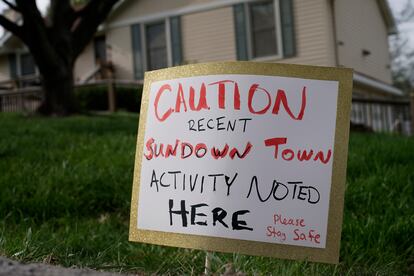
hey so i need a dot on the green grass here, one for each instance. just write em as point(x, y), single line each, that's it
point(65, 189)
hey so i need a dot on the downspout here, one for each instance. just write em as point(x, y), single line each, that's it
point(335, 40)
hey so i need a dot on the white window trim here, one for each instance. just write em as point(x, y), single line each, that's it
point(267, 58)
point(248, 31)
point(165, 16)
point(194, 8)
point(278, 19)
point(18, 65)
point(18, 54)
point(278, 30)
point(144, 47)
point(167, 24)
point(168, 42)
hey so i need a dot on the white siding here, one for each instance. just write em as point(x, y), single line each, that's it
point(4, 68)
point(208, 36)
point(131, 9)
point(360, 26)
point(120, 52)
point(85, 64)
point(314, 33)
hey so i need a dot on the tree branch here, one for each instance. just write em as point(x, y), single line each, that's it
point(28, 8)
point(11, 27)
point(10, 5)
point(62, 13)
point(91, 16)
point(35, 34)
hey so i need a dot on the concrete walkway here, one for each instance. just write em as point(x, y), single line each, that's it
point(9, 267)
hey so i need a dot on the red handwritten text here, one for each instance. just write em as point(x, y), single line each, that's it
point(183, 104)
point(301, 155)
point(199, 150)
point(311, 236)
point(279, 219)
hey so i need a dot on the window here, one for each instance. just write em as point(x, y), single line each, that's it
point(264, 29)
point(27, 65)
point(99, 44)
point(156, 46)
point(21, 64)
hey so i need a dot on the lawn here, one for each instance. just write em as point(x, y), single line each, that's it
point(65, 189)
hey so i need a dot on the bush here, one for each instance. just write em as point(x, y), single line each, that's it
point(128, 98)
point(96, 98)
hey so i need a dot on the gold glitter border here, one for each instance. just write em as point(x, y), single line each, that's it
point(330, 254)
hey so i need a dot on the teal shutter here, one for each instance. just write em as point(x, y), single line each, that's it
point(240, 31)
point(288, 30)
point(175, 31)
point(137, 54)
point(12, 66)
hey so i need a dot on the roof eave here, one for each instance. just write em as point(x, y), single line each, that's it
point(388, 16)
point(377, 85)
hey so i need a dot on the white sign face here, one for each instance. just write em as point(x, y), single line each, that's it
point(243, 157)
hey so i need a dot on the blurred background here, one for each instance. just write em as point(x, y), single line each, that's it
point(71, 75)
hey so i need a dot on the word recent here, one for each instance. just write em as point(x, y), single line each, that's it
point(185, 99)
point(219, 124)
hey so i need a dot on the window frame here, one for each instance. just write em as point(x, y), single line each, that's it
point(143, 28)
point(18, 57)
point(32, 66)
point(278, 31)
point(96, 40)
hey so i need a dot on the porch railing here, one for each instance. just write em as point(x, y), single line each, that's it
point(20, 82)
point(378, 115)
point(28, 99)
point(21, 100)
point(383, 115)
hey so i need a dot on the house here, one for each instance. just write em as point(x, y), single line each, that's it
point(141, 35)
point(150, 34)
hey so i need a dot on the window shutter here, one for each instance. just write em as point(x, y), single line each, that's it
point(137, 54)
point(240, 31)
point(13, 66)
point(288, 30)
point(175, 30)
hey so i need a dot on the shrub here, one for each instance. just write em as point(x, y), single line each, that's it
point(128, 98)
point(95, 98)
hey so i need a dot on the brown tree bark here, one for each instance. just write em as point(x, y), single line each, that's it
point(59, 98)
point(55, 43)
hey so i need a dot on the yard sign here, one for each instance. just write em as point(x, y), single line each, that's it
point(243, 157)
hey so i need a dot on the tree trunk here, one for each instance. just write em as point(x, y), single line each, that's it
point(59, 98)
point(56, 42)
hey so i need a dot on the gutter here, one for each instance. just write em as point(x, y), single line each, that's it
point(378, 85)
point(335, 39)
point(388, 16)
